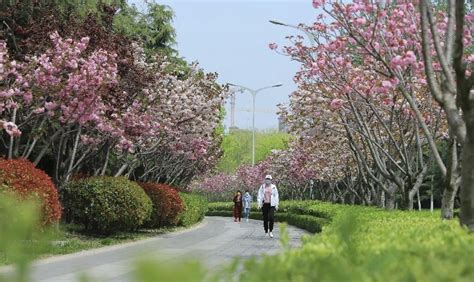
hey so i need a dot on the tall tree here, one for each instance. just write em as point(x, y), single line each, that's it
point(452, 86)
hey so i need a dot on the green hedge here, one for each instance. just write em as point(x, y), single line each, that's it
point(106, 204)
point(368, 244)
point(292, 212)
point(195, 208)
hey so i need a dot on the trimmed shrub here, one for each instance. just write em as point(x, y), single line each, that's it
point(361, 243)
point(106, 204)
point(167, 205)
point(195, 208)
point(24, 179)
point(309, 223)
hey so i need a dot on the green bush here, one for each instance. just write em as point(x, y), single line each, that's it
point(229, 213)
point(195, 207)
point(106, 204)
point(366, 244)
point(291, 212)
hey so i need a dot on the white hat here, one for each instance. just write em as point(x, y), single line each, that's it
point(268, 176)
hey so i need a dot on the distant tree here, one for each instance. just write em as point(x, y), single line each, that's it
point(237, 147)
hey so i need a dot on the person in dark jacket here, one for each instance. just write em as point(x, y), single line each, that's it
point(238, 206)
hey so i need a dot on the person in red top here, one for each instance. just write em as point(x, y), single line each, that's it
point(237, 206)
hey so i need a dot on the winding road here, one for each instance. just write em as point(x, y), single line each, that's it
point(214, 242)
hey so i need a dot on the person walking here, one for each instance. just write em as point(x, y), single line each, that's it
point(268, 200)
point(247, 202)
point(238, 206)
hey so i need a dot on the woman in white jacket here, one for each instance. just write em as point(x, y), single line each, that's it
point(268, 200)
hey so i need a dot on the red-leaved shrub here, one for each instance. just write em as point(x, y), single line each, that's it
point(167, 204)
point(24, 179)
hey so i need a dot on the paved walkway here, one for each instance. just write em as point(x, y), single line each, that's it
point(216, 241)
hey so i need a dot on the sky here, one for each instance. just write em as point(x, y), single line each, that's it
point(231, 38)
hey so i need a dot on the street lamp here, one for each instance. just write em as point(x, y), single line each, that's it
point(308, 34)
point(254, 94)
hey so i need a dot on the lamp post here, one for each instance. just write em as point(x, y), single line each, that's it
point(307, 33)
point(254, 92)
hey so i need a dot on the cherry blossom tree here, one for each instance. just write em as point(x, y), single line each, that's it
point(54, 95)
point(377, 48)
point(70, 101)
point(217, 187)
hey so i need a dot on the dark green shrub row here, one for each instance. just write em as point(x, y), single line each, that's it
point(195, 208)
point(307, 222)
point(293, 207)
point(292, 212)
point(227, 213)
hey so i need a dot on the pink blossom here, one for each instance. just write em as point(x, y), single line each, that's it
point(39, 110)
point(340, 60)
point(273, 46)
point(11, 129)
point(409, 58)
point(470, 58)
point(396, 61)
point(336, 104)
point(50, 106)
point(361, 20)
point(387, 84)
point(318, 3)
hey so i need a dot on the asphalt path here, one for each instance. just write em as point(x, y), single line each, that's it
point(214, 242)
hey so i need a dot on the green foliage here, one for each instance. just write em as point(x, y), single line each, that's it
point(237, 147)
point(153, 27)
point(195, 207)
point(149, 271)
point(106, 204)
point(369, 244)
point(21, 239)
point(83, 8)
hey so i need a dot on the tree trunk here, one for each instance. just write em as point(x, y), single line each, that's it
point(411, 197)
point(106, 163)
point(382, 199)
point(451, 182)
point(416, 188)
point(12, 138)
point(121, 170)
point(390, 201)
point(431, 199)
point(419, 200)
point(447, 203)
point(467, 183)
